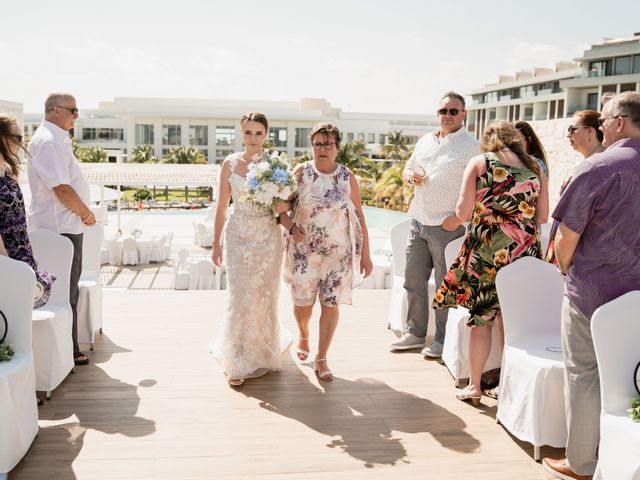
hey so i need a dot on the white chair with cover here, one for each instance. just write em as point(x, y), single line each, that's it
point(157, 253)
point(205, 238)
point(18, 412)
point(545, 230)
point(455, 353)
point(130, 252)
point(90, 299)
point(181, 275)
point(52, 342)
point(531, 400)
point(205, 279)
point(398, 304)
point(615, 327)
point(114, 246)
point(167, 246)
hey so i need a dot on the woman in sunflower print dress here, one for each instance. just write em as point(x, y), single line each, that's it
point(504, 195)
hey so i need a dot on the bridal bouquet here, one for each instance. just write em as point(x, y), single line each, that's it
point(270, 181)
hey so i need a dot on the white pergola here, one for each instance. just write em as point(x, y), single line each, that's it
point(147, 174)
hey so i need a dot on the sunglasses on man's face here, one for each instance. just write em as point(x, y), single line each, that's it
point(601, 120)
point(74, 111)
point(451, 111)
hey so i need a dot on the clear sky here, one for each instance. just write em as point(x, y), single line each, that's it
point(361, 55)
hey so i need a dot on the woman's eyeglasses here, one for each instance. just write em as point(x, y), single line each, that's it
point(323, 146)
point(601, 120)
point(451, 111)
point(74, 111)
point(573, 128)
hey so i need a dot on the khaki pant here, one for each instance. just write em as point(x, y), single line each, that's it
point(581, 389)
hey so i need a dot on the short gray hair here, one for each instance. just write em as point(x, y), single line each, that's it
point(626, 103)
point(53, 100)
point(457, 96)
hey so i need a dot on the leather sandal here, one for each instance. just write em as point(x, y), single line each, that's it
point(302, 354)
point(467, 395)
point(326, 374)
point(80, 358)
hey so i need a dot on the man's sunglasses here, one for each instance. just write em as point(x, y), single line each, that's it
point(451, 111)
point(74, 111)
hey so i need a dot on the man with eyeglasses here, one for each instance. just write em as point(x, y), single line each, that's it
point(597, 248)
point(60, 194)
point(435, 169)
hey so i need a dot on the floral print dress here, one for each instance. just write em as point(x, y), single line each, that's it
point(13, 229)
point(326, 263)
point(502, 229)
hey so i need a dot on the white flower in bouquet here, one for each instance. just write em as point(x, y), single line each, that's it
point(270, 181)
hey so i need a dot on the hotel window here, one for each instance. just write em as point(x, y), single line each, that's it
point(552, 109)
point(302, 138)
point(88, 134)
point(560, 109)
point(623, 66)
point(144, 134)
point(225, 141)
point(198, 135)
point(103, 134)
point(636, 64)
point(382, 138)
point(278, 137)
point(371, 138)
point(171, 135)
point(601, 68)
point(360, 136)
point(592, 101)
point(627, 87)
point(350, 137)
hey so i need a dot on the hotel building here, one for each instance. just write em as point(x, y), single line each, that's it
point(549, 94)
point(213, 125)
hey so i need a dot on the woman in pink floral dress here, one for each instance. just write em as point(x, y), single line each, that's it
point(327, 249)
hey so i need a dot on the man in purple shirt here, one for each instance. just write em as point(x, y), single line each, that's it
point(599, 251)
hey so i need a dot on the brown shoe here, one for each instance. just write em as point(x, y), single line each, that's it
point(560, 469)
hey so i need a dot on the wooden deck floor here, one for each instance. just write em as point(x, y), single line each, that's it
point(153, 404)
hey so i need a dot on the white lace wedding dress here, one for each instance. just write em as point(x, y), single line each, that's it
point(251, 340)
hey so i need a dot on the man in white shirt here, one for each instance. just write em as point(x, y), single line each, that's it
point(60, 194)
point(435, 170)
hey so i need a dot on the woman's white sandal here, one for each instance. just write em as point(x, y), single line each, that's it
point(325, 375)
point(302, 354)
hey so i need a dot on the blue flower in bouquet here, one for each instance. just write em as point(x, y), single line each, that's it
point(280, 176)
point(252, 181)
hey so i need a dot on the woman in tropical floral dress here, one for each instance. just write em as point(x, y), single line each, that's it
point(327, 249)
point(504, 195)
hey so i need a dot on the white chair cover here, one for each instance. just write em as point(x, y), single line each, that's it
point(130, 252)
point(167, 246)
point(531, 400)
point(545, 230)
point(205, 280)
point(181, 276)
point(90, 299)
point(615, 327)
point(52, 342)
point(205, 239)
point(157, 253)
point(18, 410)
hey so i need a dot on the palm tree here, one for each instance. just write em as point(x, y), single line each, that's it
point(396, 146)
point(185, 155)
point(391, 191)
point(143, 154)
point(87, 154)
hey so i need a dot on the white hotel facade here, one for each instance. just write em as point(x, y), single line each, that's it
point(214, 127)
point(548, 94)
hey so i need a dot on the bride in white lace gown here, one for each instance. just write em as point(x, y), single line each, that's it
point(250, 341)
